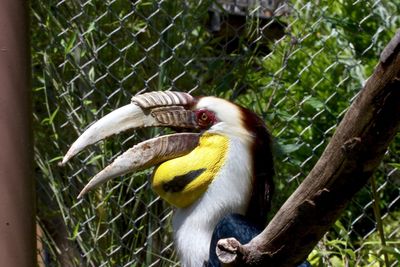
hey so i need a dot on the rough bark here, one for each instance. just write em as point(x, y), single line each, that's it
point(349, 160)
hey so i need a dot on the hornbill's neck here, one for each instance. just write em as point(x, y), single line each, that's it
point(228, 193)
point(263, 169)
point(243, 185)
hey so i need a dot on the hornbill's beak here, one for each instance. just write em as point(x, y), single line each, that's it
point(150, 109)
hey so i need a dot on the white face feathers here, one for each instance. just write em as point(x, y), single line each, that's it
point(229, 117)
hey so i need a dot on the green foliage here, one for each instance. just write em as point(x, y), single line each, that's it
point(89, 57)
point(346, 252)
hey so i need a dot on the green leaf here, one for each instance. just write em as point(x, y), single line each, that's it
point(290, 148)
point(75, 232)
point(313, 103)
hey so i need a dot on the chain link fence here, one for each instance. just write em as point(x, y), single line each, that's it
point(298, 64)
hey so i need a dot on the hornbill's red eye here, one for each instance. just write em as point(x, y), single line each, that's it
point(205, 118)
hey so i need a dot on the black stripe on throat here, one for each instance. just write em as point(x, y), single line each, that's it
point(178, 183)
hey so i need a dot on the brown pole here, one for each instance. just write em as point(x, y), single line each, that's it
point(17, 202)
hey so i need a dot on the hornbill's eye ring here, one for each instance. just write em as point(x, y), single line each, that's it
point(205, 118)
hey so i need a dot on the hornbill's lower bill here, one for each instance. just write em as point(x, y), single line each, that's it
point(219, 171)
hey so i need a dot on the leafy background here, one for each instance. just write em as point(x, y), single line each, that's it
point(299, 71)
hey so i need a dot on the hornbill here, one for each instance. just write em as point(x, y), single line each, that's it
point(219, 169)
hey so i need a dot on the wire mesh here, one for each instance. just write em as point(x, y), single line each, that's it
point(297, 64)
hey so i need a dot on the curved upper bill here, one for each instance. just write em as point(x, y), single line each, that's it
point(124, 118)
point(150, 109)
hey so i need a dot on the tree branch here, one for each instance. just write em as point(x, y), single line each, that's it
point(349, 160)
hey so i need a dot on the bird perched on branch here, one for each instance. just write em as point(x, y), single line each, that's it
point(221, 165)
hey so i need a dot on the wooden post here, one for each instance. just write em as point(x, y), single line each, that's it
point(17, 202)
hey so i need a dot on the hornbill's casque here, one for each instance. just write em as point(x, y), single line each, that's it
point(220, 171)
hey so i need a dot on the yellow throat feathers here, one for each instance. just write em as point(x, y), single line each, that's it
point(181, 181)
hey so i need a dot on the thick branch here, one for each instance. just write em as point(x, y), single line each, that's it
point(355, 151)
